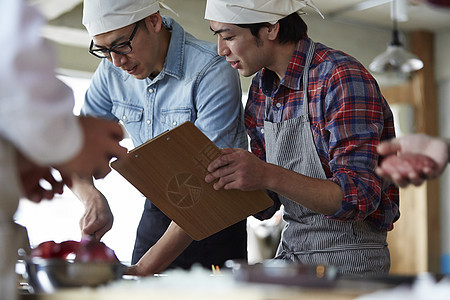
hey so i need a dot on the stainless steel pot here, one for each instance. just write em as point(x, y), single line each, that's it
point(48, 275)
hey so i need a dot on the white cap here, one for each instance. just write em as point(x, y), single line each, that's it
point(253, 11)
point(100, 16)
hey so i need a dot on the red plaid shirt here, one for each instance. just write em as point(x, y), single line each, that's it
point(349, 117)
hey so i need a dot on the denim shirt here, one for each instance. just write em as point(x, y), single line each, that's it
point(196, 85)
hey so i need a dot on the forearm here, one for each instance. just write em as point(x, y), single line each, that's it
point(83, 188)
point(97, 218)
point(173, 242)
point(319, 195)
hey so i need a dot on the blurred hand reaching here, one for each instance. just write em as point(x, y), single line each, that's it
point(101, 143)
point(412, 159)
point(30, 177)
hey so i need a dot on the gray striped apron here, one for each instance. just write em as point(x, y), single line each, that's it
point(308, 237)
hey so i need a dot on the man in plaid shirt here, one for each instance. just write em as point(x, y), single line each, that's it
point(315, 117)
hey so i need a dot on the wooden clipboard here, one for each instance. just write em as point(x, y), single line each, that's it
point(170, 170)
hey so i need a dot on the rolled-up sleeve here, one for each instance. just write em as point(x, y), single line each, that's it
point(355, 122)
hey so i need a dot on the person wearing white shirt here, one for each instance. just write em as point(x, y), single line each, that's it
point(38, 130)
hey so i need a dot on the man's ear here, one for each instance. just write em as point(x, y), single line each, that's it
point(272, 31)
point(154, 22)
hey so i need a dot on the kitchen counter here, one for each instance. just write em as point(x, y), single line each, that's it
point(201, 284)
point(289, 294)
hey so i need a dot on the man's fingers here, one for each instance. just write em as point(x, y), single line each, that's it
point(388, 147)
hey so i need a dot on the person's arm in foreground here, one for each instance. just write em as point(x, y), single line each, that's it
point(173, 242)
point(38, 119)
point(30, 176)
point(412, 159)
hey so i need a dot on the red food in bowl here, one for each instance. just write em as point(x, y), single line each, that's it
point(91, 250)
point(88, 250)
point(68, 247)
point(48, 249)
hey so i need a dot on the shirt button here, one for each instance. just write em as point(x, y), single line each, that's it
point(174, 123)
point(278, 105)
point(151, 90)
point(124, 118)
point(262, 131)
point(148, 122)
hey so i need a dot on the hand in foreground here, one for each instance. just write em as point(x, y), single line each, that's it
point(31, 175)
point(412, 159)
point(97, 218)
point(237, 169)
point(101, 143)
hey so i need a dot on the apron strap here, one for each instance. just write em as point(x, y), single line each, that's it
point(306, 78)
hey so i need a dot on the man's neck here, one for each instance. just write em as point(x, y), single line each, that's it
point(281, 58)
point(165, 36)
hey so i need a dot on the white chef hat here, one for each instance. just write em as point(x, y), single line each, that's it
point(254, 11)
point(100, 16)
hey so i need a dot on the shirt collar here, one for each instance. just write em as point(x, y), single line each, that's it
point(292, 79)
point(173, 65)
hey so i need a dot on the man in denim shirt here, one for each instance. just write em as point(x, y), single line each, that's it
point(154, 77)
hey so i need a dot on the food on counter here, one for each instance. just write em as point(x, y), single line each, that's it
point(68, 247)
point(91, 250)
point(88, 250)
point(48, 249)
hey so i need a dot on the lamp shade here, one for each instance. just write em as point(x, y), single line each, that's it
point(396, 59)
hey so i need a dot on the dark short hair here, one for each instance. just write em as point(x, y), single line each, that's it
point(292, 29)
point(141, 23)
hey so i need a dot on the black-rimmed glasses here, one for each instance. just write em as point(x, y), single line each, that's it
point(121, 48)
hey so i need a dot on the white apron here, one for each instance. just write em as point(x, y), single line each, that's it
point(308, 237)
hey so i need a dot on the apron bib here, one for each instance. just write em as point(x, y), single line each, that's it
point(308, 237)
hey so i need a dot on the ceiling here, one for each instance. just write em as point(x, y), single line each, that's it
point(65, 28)
point(64, 21)
point(421, 15)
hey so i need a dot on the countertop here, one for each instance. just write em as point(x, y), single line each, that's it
point(201, 284)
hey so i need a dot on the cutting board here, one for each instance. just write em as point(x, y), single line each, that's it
point(170, 171)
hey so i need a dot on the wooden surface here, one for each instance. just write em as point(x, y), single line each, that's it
point(170, 170)
point(422, 44)
point(407, 242)
point(415, 241)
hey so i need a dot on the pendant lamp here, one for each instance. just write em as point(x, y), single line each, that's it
point(395, 59)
